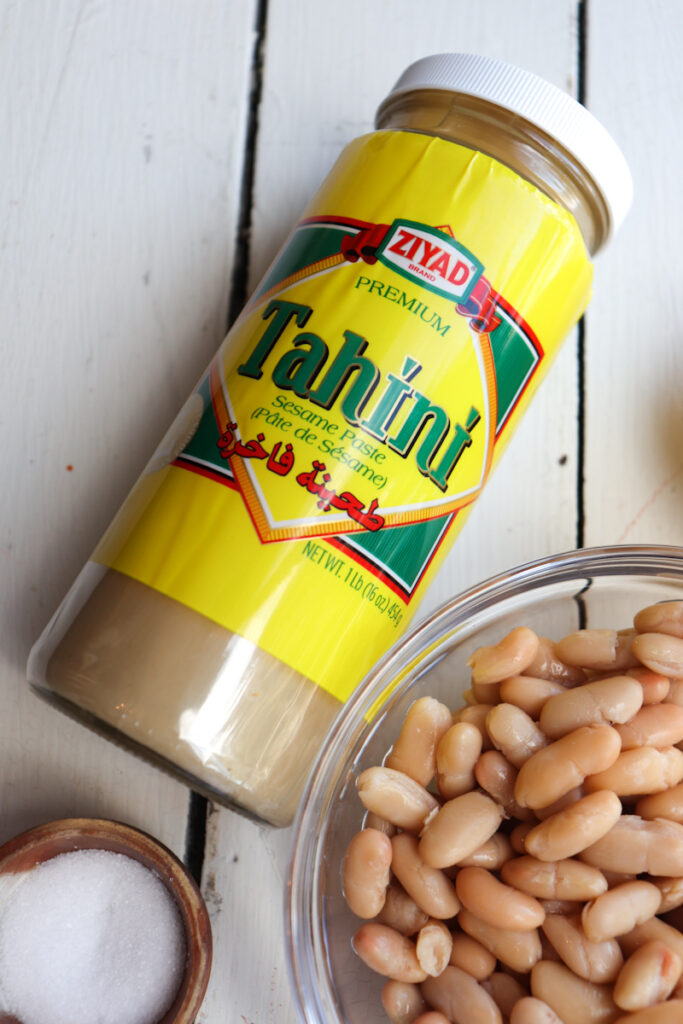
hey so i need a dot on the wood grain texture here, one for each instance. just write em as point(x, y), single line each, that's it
point(634, 407)
point(121, 131)
point(244, 885)
point(326, 69)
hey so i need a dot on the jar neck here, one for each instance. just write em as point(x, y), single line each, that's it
point(510, 139)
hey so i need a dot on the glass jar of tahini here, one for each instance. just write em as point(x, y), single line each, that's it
point(280, 537)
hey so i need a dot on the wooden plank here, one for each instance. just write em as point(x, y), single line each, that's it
point(122, 128)
point(634, 411)
point(326, 69)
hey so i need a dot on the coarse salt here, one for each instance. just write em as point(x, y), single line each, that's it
point(90, 937)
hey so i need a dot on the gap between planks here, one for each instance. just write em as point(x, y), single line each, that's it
point(195, 833)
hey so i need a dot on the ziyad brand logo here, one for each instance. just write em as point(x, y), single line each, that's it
point(432, 258)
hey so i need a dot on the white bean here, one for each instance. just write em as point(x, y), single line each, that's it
point(599, 649)
point(638, 771)
point(456, 755)
point(575, 1000)
point(505, 990)
point(576, 827)
point(594, 961)
point(492, 854)
point(533, 1011)
point(469, 955)
point(668, 1012)
point(514, 733)
point(458, 829)
point(433, 945)
point(509, 657)
point(553, 771)
point(548, 665)
point(660, 652)
point(518, 950)
point(402, 1002)
point(558, 880)
point(496, 903)
point(428, 886)
point(636, 846)
point(401, 912)
point(461, 998)
point(529, 693)
point(619, 911)
point(395, 797)
point(414, 752)
point(365, 872)
point(648, 977)
point(606, 701)
point(388, 952)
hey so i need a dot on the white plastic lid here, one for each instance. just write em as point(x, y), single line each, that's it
point(546, 106)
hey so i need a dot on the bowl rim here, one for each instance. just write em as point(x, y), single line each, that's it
point(302, 927)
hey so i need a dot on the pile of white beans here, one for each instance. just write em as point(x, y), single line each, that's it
point(522, 858)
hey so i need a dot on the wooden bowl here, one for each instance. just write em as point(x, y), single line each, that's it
point(25, 851)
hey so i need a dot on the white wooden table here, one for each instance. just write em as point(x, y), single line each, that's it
point(153, 155)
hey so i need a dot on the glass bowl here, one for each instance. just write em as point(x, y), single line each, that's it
point(593, 588)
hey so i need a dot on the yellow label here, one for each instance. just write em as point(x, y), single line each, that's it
point(304, 494)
